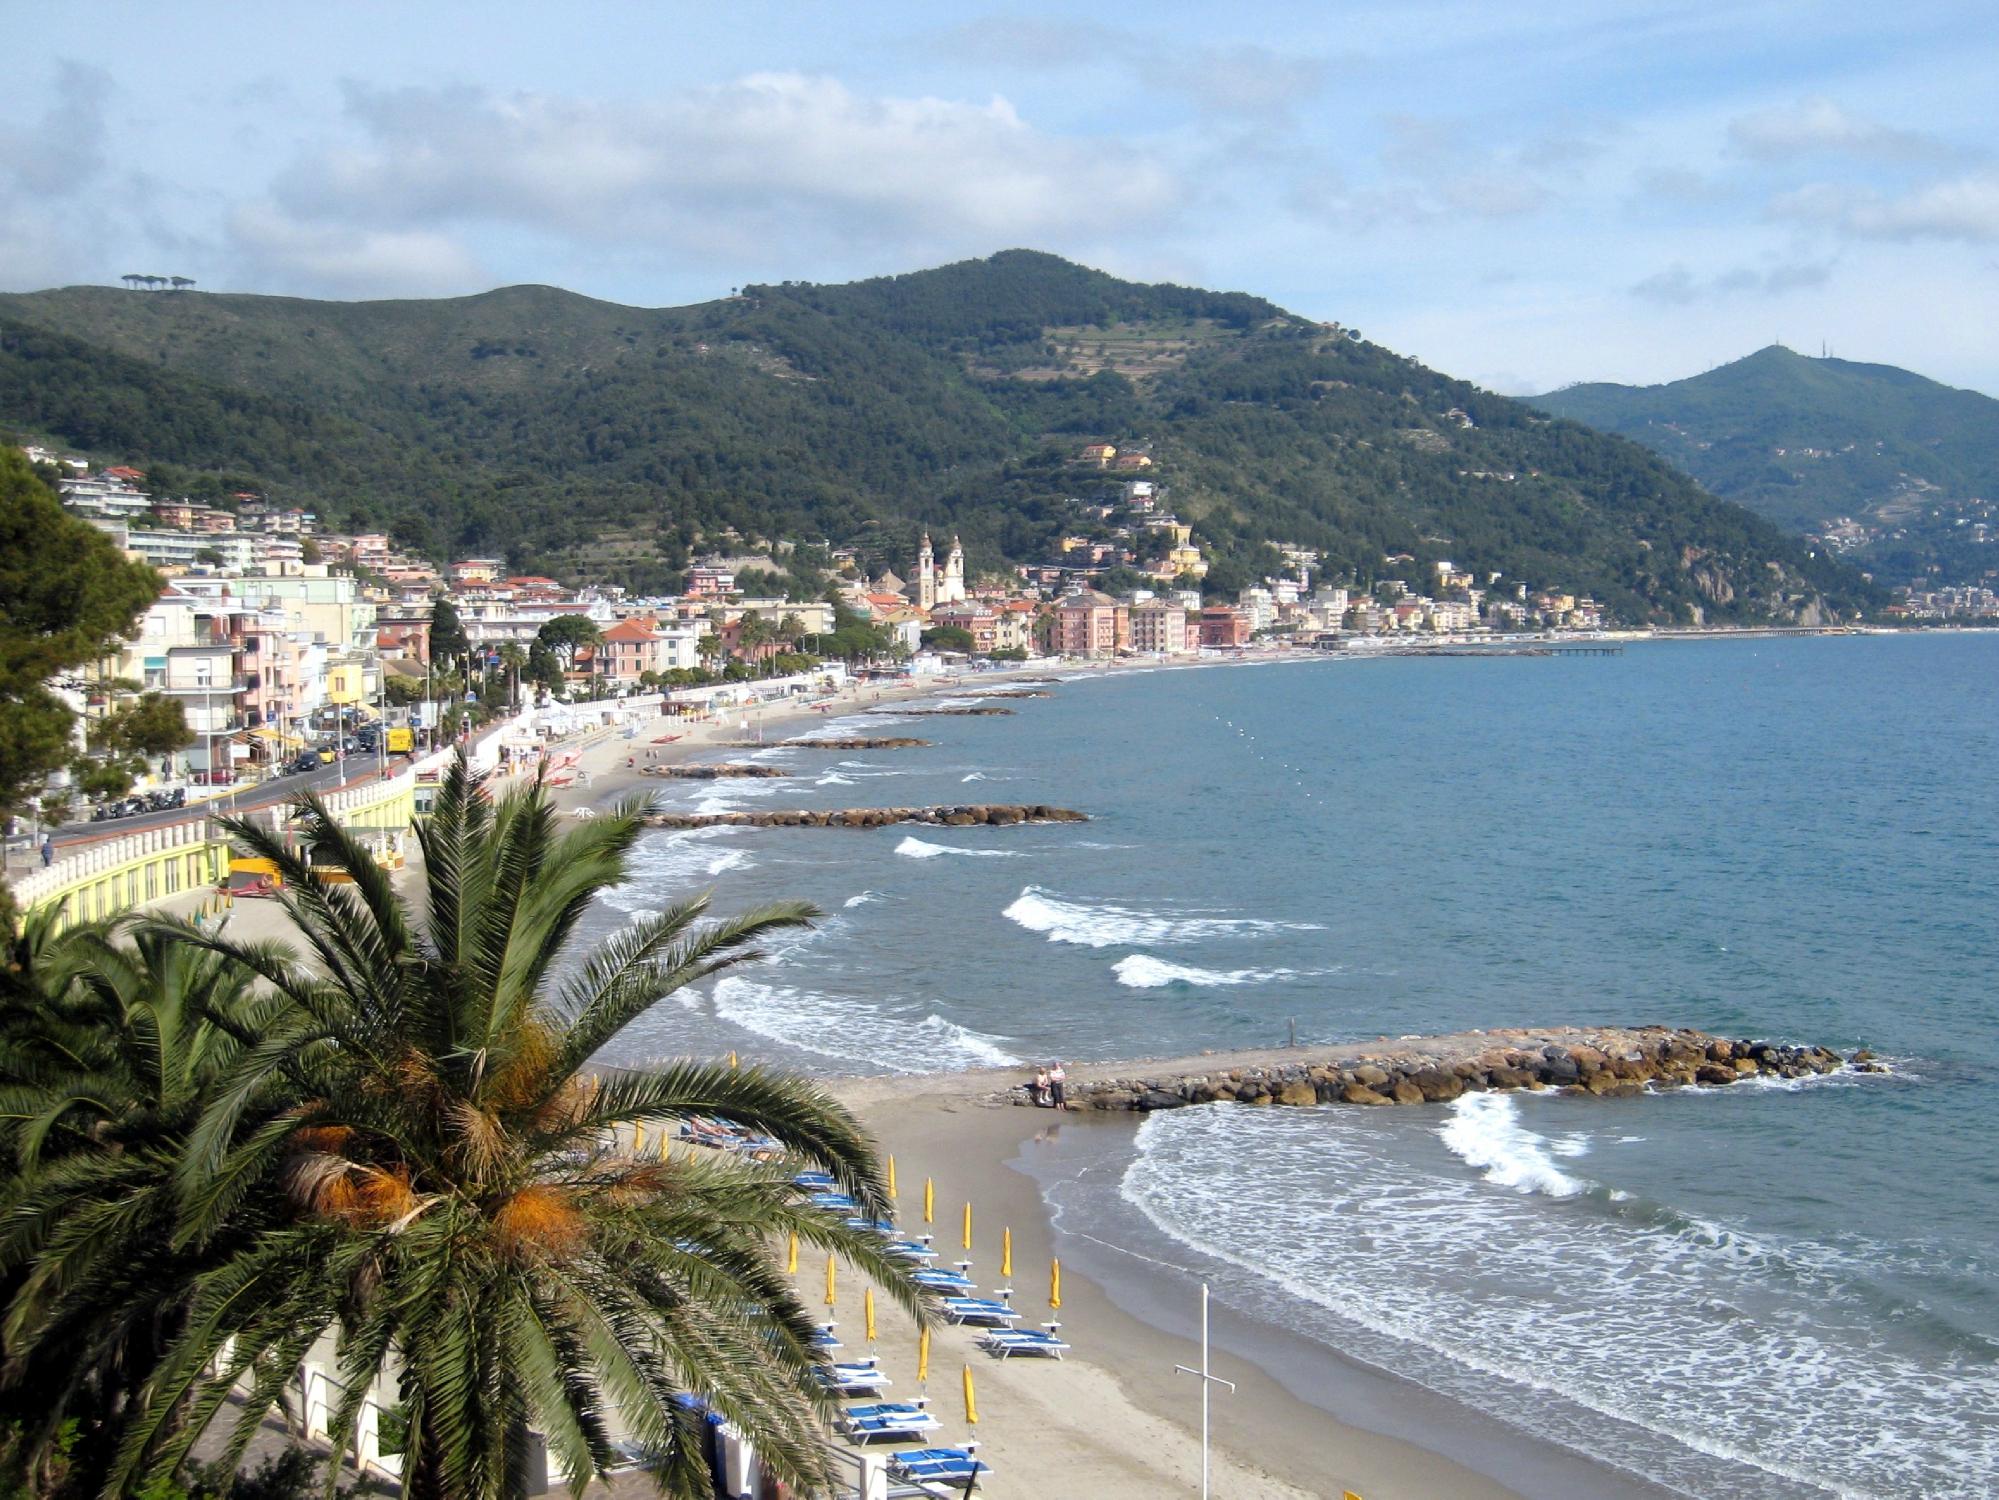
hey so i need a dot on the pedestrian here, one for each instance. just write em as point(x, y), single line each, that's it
point(1057, 1081)
point(48, 852)
point(1040, 1086)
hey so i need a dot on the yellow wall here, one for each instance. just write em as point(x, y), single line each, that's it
point(97, 894)
point(345, 683)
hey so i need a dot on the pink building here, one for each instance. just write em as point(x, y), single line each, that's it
point(631, 648)
point(1090, 624)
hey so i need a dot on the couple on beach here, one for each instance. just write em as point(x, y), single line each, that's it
point(1049, 1084)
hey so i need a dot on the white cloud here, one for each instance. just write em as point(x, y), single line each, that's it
point(50, 224)
point(732, 172)
point(342, 261)
point(1677, 286)
point(1820, 127)
point(1964, 208)
point(1246, 80)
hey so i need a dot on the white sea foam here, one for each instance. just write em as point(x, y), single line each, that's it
point(1141, 971)
point(1714, 1362)
point(1485, 1130)
point(915, 848)
point(674, 864)
point(870, 1034)
point(1104, 925)
point(833, 778)
point(863, 899)
point(975, 776)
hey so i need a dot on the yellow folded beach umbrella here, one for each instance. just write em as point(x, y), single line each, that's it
point(923, 1357)
point(929, 1200)
point(1006, 1252)
point(791, 1258)
point(968, 1226)
point(868, 1303)
point(1348, 1495)
point(971, 1406)
point(638, 1138)
point(831, 1264)
point(891, 1175)
point(1055, 1284)
point(732, 1061)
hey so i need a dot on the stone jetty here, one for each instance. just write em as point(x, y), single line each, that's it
point(1018, 693)
point(942, 713)
point(722, 771)
point(1614, 1061)
point(963, 815)
point(888, 742)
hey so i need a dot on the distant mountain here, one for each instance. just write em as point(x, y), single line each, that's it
point(1805, 441)
point(611, 439)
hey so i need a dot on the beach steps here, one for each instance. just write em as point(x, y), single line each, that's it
point(1606, 1061)
point(960, 815)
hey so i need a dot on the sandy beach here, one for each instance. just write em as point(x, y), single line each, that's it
point(1113, 1418)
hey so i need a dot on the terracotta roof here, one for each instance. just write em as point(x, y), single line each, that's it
point(631, 630)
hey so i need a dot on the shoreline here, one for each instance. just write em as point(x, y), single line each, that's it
point(1305, 1419)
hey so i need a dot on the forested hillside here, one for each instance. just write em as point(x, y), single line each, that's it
point(1805, 441)
point(542, 422)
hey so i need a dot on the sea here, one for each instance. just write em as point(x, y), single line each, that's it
point(1777, 1289)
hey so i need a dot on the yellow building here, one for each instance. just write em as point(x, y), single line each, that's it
point(346, 682)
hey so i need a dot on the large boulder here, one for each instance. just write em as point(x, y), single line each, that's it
point(1360, 1093)
point(1299, 1092)
point(1715, 1072)
point(1407, 1093)
point(1370, 1075)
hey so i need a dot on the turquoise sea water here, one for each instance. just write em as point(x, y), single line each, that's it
point(1761, 1291)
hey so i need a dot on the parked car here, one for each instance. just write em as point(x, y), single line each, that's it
point(218, 776)
point(309, 761)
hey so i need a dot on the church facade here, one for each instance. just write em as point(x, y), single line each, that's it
point(931, 585)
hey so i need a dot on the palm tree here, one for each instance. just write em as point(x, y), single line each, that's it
point(513, 659)
point(461, 1205)
point(103, 1076)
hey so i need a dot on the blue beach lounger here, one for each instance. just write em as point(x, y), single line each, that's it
point(825, 1339)
point(835, 1203)
point(937, 1463)
point(910, 1250)
point(889, 1424)
point(818, 1181)
point(1003, 1342)
point(949, 1281)
point(879, 1226)
point(978, 1310)
point(855, 1378)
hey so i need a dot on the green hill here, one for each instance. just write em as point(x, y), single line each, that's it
point(1806, 441)
point(582, 434)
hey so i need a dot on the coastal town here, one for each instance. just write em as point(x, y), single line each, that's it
point(273, 631)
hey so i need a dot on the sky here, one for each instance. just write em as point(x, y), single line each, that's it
point(1521, 194)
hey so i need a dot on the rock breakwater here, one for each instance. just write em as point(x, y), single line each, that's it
point(1613, 1061)
point(942, 713)
point(726, 770)
point(888, 742)
point(963, 815)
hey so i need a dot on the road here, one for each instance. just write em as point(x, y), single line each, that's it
point(279, 789)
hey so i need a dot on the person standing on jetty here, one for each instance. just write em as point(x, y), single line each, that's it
point(1057, 1079)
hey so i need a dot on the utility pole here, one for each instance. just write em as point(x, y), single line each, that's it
point(1208, 1382)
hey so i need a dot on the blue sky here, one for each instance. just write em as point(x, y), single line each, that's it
point(1522, 194)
